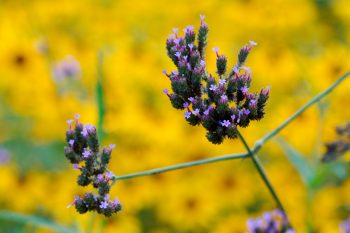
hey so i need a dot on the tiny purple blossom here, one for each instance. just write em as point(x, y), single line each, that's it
point(189, 29)
point(69, 67)
point(112, 146)
point(222, 81)
point(104, 205)
point(216, 50)
point(76, 198)
point(245, 90)
point(190, 46)
point(225, 123)
point(175, 30)
point(233, 117)
point(86, 153)
point(187, 114)
point(116, 202)
point(235, 69)
point(223, 98)
point(178, 54)
point(191, 99)
point(196, 112)
point(253, 43)
point(202, 63)
point(246, 112)
point(252, 103)
point(71, 142)
point(247, 69)
point(76, 166)
point(177, 41)
point(202, 17)
point(76, 116)
point(69, 122)
point(84, 132)
point(166, 91)
point(185, 105)
point(213, 87)
point(164, 72)
point(188, 66)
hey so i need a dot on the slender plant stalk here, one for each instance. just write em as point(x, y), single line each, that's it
point(259, 167)
point(256, 148)
point(182, 165)
point(313, 101)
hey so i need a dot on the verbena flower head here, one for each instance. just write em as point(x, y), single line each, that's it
point(84, 152)
point(339, 146)
point(227, 96)
point(270, 222)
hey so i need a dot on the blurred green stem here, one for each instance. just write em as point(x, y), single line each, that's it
point(100, 95)
point(259, 167)
point(256, 148)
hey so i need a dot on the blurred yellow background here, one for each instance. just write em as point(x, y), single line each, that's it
point(303, 46)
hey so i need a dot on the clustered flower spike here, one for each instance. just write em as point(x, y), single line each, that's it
point(219, 104)
point(270, 222)
point(83, 151)
point(339, 146)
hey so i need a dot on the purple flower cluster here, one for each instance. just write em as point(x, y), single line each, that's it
point(345, 226)
point(270, 222)
point(83, 151)
point(219, 104)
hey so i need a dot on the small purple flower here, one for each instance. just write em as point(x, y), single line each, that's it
point(222, 81)
point(86, 153)
point(69, 122)
point(252, 103)
point(213, 87)
point(191, 47)
point(178, 55)
point(71, 142)
point(112, 146)
point(188, 66)
point(175, 30)
point(177, 41)
point(245, 90)
point(116, 202)
point(104, 205)
point(187, 114)
point(265, 91)
point(235, 69)
point(253, 43)
point(76, 198)
point(202, 63)
point(191, 99)
point(196, 112)
point(100, 178)
point(202, 17)
point(233, 117)
point(76, 116)
point(247, 69)
point(185, 105)
point(223, 99)
point(166, 91)
point(189, 29)
point(76, 166)
point(84, 132)
point(225, 123)
point(216, 50)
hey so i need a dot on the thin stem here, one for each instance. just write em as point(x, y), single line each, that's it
point(314, 100)
point(262, 172)
point(182, 165)
point(256, 148)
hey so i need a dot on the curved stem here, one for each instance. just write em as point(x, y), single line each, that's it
point(314, 100)
point(255, 149)
point(259, 167)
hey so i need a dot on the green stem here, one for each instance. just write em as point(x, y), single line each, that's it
point(259, 167)
point(182, 165)
point(257, 146)
point(314, 100)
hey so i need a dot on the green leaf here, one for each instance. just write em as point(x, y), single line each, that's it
point(333, 173)
point(298, 161)
point(34, 221)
